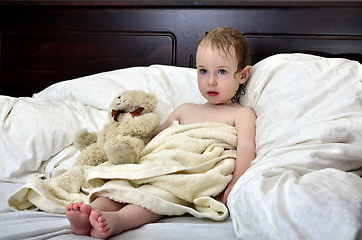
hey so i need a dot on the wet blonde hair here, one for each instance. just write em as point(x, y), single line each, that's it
point(223, 38)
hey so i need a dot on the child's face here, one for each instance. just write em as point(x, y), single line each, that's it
point(217, 80)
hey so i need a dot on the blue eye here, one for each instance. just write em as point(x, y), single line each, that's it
point(203, 71)
point(222, 71)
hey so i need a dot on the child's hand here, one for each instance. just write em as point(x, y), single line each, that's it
point(225, 194)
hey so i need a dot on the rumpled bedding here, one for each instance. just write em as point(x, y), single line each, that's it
point(180, 171)
point(36, 133)
point(39, 225)
point(305, 181)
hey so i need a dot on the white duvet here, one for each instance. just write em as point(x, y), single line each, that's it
point(309, 143)
point(304, 183)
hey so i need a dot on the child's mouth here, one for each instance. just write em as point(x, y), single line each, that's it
point(212, 93)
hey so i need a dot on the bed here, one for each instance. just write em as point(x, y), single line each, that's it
point(62, 62)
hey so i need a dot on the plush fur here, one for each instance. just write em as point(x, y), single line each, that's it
point(131, 125)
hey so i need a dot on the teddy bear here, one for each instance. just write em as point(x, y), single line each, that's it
point(132, 123)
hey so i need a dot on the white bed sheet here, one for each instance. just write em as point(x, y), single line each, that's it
point(304, 183)
point(42, 225)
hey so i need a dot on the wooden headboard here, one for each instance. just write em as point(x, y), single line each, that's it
point(47, 41)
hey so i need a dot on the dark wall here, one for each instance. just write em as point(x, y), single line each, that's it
point(41, 45)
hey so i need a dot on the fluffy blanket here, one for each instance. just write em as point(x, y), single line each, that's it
point(181, 171)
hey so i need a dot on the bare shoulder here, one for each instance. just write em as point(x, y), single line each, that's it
point(186, 106)
point(245, 113)
point(245, 119)
point(245, 125)
point(183, 108)
point(176, 115)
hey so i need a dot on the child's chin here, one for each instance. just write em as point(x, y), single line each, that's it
point(216, 102)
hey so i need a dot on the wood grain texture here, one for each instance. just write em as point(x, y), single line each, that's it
point(44, 43)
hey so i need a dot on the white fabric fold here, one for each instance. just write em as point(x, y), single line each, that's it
point(309, 141)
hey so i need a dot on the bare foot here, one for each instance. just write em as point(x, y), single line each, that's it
point(78, 215)
point(105, 224)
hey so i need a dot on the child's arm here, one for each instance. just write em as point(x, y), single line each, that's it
point(245, 130)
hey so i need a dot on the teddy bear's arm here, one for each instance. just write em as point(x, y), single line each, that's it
point(142, 126)
point(84, 138)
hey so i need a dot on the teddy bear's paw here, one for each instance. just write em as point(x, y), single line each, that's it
point(124, 151)
point(92, 155)
point(121, 154)
point(84, 138)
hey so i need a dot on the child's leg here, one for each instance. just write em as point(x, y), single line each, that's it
point(78, 213)
point(106, 204)
point(105, 224)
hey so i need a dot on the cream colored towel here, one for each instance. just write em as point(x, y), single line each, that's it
point(181, 171)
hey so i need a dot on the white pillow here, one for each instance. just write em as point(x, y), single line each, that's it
point(172, 86)
point(35, 130)
point(308, 141)
point(304, 100)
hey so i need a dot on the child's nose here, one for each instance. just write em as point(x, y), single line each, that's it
point(212, 80)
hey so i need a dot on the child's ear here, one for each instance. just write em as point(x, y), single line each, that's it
point(244, 74)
